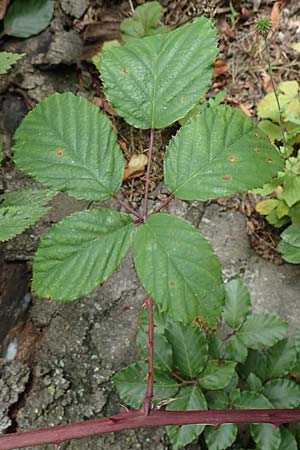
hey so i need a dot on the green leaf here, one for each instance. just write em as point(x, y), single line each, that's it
point(69, 145)
point(254, 383)
point(179, 269)
point(153, 82)
point(144, 22)
point(131, 384)
point(297, 339)
point(216, 347)
point(20, 210)
point(163, 355)
point(265, 207)
point(236, 350)
point(282, 393)
point(288, 442)
point(188, 399)
point(221, 437)
point(289, 253)
point(24, 19)
point(271, 129)
point(237, 303)
point(255, 363)
point(232, 384)
point(217, 400)
point(190, 349)
point(81, 252)
point(160, 319)
point(281, 358)
point(219, 152)
point(262, 330)
point(291, 235)
point(252, 400)
point(266, 436)
point(8, 59)
point(217, 374)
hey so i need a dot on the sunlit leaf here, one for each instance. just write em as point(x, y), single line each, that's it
point(8, 59)
point(262, 330)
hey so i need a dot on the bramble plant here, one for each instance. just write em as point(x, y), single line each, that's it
point(67, 144)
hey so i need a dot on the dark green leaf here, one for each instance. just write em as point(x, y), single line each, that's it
point(252, 400)
point(179, 269)
point(219, 152)
point(282, 393)
point(288, 442)
point(27, 18)
point(153, 82)
point(255, 363)
point(289, 253)
point(281, 358)
point(217, 400)
point(144, 22)
point(266, 436)
point(188, 399)
point(217, 374)
point(189, 346)
point(262, 330)
point(81, 252)
point(20, 210)
point(69, 145)
point(237, 303)
point(221, 437)
point(8, 59)
point(236, 350)
point(216, 347)
point(297, 339)
point(131, 385)
point(232, 384)
point(254, 383)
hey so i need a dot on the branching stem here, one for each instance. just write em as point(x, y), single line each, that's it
point(137, 419)
point(149, 391)
point(128, 208)
point(147, 183)
point(275, 93)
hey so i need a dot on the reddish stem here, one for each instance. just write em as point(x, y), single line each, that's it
point(149, 392)
point(137, 419)
point(128, 208)
point(147, 183)
point(164, 203)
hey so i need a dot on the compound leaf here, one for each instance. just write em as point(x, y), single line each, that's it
point(154, 81)
point(282, 393)
point(20, 210)
point(219, 152)
point(8, 59)
point(81, 252)
point(221, 437)
point(179, 269)
point(237, 303)
point(281, 358)
point(131, 384)
point(69, 145)
point(189, 346)
point(24, 19)
point(188, 399)
point(217, 374)
point(262, 330)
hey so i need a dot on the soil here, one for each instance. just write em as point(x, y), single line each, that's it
point(58, 359)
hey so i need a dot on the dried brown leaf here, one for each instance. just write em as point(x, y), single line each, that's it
point(136, 166)
point(275, 16)
point(220, 68)
point(3, 7)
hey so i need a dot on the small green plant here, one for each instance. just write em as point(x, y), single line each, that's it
point(247, 362)
point(70, 146)
point(280, 114)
